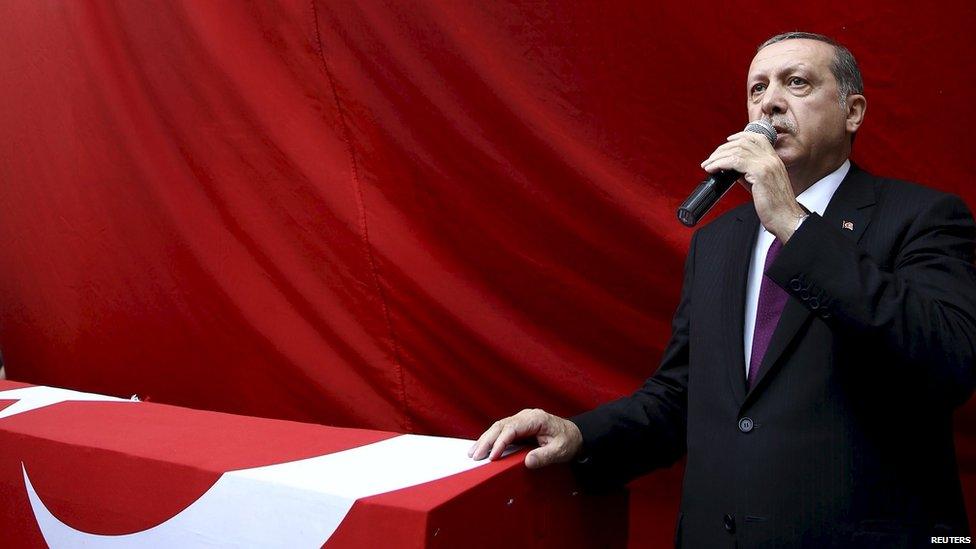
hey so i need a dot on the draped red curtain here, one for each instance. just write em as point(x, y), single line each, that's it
point(413, 216)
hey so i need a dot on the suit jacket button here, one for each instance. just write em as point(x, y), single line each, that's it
point(796, 285)
point(729, 521)
point(746, 425)
point(814, 303)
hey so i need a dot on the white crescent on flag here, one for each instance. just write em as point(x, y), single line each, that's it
point(294, 504)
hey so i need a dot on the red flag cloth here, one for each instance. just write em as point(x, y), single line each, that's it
point(411, 216)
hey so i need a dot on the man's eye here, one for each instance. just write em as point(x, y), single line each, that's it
point(758, 88)
point(796, 81)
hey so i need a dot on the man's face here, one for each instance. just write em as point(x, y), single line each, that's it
point(790, 83)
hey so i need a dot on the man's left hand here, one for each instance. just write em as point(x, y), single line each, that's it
point(765, 177)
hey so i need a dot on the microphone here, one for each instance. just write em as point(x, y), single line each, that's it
point(712, 189)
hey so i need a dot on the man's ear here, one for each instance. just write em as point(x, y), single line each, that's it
point(856, 105)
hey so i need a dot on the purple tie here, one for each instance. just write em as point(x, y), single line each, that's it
point(772, 299)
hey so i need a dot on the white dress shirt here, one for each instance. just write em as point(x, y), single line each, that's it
point(814, 199)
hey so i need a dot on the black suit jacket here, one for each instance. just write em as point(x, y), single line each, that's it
point(846, 437)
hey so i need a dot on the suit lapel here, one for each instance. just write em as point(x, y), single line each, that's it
point(740, 243)
point(850, 211)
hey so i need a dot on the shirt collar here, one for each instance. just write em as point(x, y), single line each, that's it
point(818, 195)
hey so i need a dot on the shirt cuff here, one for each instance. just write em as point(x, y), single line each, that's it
point(800, 221)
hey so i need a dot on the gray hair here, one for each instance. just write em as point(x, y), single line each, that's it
point(844, 66)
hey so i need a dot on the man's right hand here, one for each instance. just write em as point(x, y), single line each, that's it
point(559, 439)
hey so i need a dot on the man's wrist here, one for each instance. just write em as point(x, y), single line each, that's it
point(789, 225)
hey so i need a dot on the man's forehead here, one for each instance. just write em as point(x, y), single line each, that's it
point(797, 52)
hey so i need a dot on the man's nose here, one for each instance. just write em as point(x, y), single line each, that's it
point(773, 101)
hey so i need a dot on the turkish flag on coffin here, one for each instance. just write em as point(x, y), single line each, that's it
point(77, 468)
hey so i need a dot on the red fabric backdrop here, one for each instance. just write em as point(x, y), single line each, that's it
point(414, 216)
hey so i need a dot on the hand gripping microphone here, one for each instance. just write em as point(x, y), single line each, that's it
point(712, 189)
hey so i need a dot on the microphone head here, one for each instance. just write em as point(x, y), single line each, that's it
point(764, 128)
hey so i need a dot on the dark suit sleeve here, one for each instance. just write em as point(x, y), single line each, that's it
point(630, 436)
point(921, 314)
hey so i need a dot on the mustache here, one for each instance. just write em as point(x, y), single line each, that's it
point(788, 125)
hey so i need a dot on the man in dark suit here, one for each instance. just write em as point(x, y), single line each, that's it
point(825, 333)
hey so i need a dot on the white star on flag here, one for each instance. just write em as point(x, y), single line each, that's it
point(32, 398)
